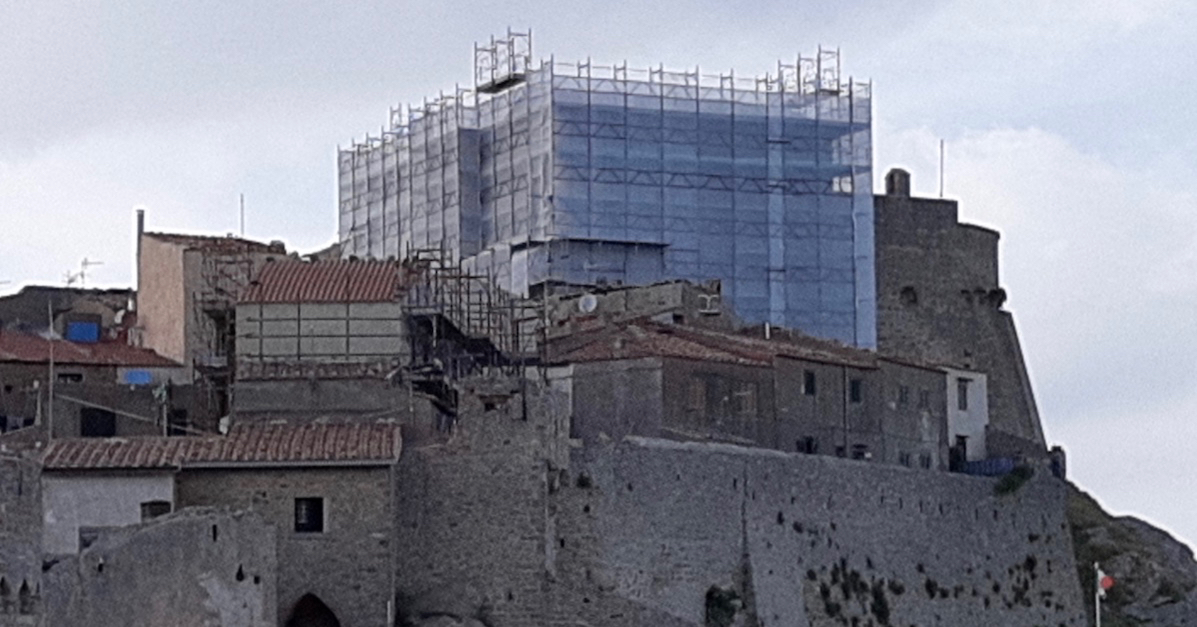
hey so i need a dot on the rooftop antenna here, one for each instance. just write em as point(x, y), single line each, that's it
point(242, 215)
point(941, 168)
point(83, 266)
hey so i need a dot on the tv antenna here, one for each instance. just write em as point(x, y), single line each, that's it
point(70, 278)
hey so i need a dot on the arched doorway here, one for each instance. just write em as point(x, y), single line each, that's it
point(310, 611)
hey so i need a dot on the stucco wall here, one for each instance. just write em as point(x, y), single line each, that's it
point(971, 421)
point(349, 565)
point(71, 501)
point(814, 540)
point(196, 568)
point(161, 306)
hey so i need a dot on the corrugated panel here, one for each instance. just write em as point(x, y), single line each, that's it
point(325, 282)
point(248, 445)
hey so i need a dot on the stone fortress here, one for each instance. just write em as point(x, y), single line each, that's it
point(597, 349)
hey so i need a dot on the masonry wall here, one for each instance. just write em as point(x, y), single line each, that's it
point(939, 301)
point(304, 400)
point(474, 529)
point(349, 565)
point(218, 567)
point(20, 542)
point(813, 540)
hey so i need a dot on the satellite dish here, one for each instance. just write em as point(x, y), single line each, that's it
point(588, 303)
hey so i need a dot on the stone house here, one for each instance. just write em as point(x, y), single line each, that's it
point(327, 489)
point(795, 394)
point(104, 388)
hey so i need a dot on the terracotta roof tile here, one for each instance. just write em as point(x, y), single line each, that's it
point(649, 339)
point(248, 445)
point(28, 348)
point(326, 282)
point(218, 244)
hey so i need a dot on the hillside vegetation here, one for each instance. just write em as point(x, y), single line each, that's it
point(1155, 574)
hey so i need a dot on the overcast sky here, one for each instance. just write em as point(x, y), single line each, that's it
point(1069, 126)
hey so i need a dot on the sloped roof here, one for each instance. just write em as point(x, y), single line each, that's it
point(642, 338)
point(315, 444)
point(326, 282)
point(28, 348)
point(636, 341)
point(218, 244)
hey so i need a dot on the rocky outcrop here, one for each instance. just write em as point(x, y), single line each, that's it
point(1156, 574)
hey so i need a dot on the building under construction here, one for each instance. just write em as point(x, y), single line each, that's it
point(558, 176)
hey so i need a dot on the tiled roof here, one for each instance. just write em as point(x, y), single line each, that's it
point(325, 282)
point(648, 339)
point(313, 444)
point(635, 341)
point(27, 348)
point(218, 244)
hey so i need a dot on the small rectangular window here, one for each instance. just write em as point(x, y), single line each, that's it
point(855, 390)
point(153, 509)
point(808, 445)
point(924, 460)
point(904, 459)
point(860, 451)
point(745, 398)
point(696, 399)
point(924, 399)
point(962, 394)
point(69, 377)
point(309, 515)
point(903, 395)
point(808, 382)
point(96, 423)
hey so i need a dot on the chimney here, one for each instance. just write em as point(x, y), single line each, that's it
point(897, 183)
point(137, 261)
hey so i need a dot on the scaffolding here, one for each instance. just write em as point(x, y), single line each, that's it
point(560, 176)
point(462, 322)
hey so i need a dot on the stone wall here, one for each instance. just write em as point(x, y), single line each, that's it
point(197, 568)
point(20, 542)
point(808, 540)
point(939, 301)
point(474, 529)
point(348, 566)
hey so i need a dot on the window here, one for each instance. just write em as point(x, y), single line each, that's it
point(177, 422)
point(855, 390)
point(153, 509)
point(96, 423)
point(924, 399)
point(808, 445)
point(745, 398)
point(962, 394)
point(69, 377)
point(903, 395)
point(808, 382)
point(904, 458)
point(309, 515)
point(861, 451)
point(924, 460)
point(839, 451)
point(696, 398)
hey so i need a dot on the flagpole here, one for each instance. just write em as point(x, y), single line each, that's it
point(1097, 594)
